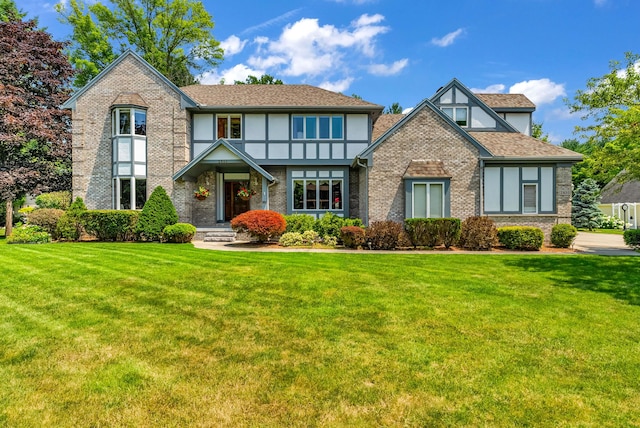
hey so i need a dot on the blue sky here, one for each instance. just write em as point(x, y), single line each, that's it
point(402, 51)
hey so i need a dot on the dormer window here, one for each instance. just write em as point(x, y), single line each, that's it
point(459, 115)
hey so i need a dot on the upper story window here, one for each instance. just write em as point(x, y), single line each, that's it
point(313, 127)
point(459, 115)
point(229, 126)
point(123, 118)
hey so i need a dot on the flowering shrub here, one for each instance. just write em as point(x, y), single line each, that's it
point(29, 234)
point(611, 222)
point(260, 224)
point(330, 241)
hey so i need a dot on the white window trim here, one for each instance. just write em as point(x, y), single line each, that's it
point(317, 117)
point(536, 199)
point(228, 116)
point(115, 119)
point(428, 197)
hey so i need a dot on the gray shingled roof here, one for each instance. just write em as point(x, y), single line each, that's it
point(506, 101)
point(517, 145)
point(616, 193)
point(426, 169)
point(384, 123)
point(244, 96)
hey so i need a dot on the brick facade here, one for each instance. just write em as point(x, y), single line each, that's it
point(167, 143)
point(426, 136)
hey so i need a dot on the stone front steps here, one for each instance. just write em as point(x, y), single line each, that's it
point(221, 233)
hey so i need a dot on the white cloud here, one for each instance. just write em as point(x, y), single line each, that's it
point(497, 88)
point(232, 45)
point(338, 86)
point(270, 22)
point(388, 70)
point(448, 39)
point(407, 110)
point(230, 75)
point(599, 3)
point(307, 48)
point(541, 91)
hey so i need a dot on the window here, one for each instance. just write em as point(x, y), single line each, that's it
point(458, 114)
point(325, 127)
point(529, 198)
point(122, 119)
point(317, 194)
point(129, 156)
point(427, 200)
point(229, 126)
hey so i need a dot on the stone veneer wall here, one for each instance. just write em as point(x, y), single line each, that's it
point(425, 137)
point(354, 192)
point(278, 192)
point(167, 147)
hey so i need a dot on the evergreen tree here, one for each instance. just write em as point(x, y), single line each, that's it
point(585, 212)
point(157, 213)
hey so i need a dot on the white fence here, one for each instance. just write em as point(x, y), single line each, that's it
point(615, 210)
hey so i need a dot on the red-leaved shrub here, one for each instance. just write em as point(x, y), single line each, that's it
point(260, 224)
point(352, 236)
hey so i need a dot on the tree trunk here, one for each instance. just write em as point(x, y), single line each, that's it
point(9, 219)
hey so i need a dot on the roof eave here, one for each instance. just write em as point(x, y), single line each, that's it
point(532, 159)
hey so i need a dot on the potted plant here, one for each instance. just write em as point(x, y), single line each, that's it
point(202, 193)
point(245, 192)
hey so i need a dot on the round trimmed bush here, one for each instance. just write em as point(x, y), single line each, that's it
point(632, 238)
point(260, 224)
point(563, 235)
point(47, 219)
point(179, 233)
point(527, 238)
point(352, 236)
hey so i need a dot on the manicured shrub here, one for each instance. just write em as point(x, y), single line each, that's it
point(478, 233)
point(299, 222)
point(352, 222)
point(179, 233)
point(70, 225)
point(352, 236)
point(563, 235)
point(384, 235)
point(291, 239)
point(329, 240)
point(310, 237)
point(158, 212)
point(47, 219)
point(632, 238)
point(449, 231)
point(260, 224)
point(110, 225)
point(521, 237)
point(423, 232)
point(29, 234)
point(58, 200)
point(329, 224)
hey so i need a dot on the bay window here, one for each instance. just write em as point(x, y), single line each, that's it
point(129, 157)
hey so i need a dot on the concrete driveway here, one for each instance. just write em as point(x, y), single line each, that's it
point(602, 244)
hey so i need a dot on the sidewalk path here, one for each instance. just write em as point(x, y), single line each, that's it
point(603, 244)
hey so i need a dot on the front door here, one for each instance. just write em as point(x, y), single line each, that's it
point(233, 204)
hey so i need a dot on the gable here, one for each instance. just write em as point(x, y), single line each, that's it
point(457, 98)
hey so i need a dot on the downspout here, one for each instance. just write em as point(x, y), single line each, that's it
point(365, 218)
point(266, 191)
point(481, 187)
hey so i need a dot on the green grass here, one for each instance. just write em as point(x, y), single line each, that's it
point(605, 231)
point(142, 335)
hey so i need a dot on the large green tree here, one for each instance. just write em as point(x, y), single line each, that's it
point(172, 35)
point(35, 134)
point(9, 11)
point(265, 79)
point(611, 104)
point(394, 108)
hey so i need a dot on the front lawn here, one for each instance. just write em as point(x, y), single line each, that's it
point(100, 334)
point(605, 231)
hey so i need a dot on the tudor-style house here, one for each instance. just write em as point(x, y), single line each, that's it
point(303, 149)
